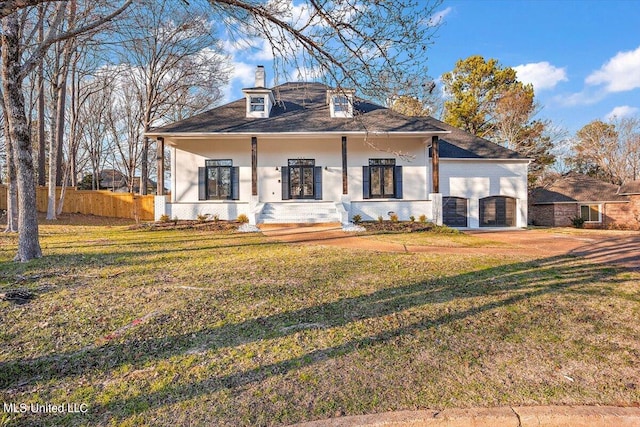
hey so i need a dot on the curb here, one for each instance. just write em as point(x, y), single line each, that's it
point(519, 416)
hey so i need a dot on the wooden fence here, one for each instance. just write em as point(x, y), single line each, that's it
point(100, 203)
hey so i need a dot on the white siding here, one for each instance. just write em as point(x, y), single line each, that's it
point(470, 179)
point(275, 152)
point(476, 179)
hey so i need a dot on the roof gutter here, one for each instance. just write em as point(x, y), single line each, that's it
point(198, 135)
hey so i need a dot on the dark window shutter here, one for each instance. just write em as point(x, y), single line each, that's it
point(285, 182)
point(202, 183)
point(317, 182)
point(397, 177)
point(235, 183)
point(366, 186)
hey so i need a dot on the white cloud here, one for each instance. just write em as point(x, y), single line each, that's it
point(438, 17)
point(249, 48)
point(586, 97)
point(621, 112)
point(244, 73)
point(541, 75)
point(621, 73)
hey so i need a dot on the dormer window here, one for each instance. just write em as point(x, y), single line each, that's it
point(340, 103)
point(256, 103)
point(259, 100)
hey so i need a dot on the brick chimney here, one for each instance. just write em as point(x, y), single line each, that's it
point(260, 77)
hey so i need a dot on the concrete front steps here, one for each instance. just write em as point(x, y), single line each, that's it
point(310, 212)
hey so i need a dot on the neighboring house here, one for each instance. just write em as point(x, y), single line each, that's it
point(111, 179)
point(575, 195)
point(632, 191)
point(116, 181)
point(304, 152)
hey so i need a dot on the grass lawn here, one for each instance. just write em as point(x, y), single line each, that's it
point(192, 327)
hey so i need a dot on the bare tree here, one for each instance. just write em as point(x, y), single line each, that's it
point(168, 54)
point(62, 54)
point(17, 63)
point(378, 47)
point(596, 152)
point(516, 128)
point(12, 191)
point(629, 140)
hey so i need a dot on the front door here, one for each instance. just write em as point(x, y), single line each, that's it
point(301, 182)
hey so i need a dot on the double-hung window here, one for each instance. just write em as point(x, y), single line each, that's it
point(256, 103)
point(591, 213)
point(340, 104)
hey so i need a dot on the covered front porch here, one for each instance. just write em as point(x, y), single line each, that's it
point(303, 178)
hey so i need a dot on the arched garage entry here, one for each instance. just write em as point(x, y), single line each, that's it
point(454, 211)
point(498, 211)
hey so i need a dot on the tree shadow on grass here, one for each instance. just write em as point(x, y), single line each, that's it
point(622, 251)
point(505, 285)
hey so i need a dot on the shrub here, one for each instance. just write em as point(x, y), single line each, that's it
point(202, 217)
point(423, 218)
point(216, 217)
point(412, 218)
point(242, 218)
point(577, 222)
point(164, 218)
point(444, 229)
point(380, 218)
point(357, 219)
point(394, 217)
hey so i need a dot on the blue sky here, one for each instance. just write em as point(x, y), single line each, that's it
point(583, 57)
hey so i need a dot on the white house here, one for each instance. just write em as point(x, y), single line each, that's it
point(304, 152)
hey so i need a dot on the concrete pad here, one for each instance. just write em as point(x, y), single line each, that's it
point(399, 418)
point(478, 417)
point(578, 416)
point(527, 416)
point(472, 417)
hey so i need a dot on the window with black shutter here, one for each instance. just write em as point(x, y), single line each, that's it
point(382, 179)
point(219, 180)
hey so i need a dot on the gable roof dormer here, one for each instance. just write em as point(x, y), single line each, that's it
point(340, 102)
point(259, 99)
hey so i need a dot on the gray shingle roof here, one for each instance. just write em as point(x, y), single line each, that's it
point(460, 144)
point(302, 107)
point(575, 187)
point(632, 187)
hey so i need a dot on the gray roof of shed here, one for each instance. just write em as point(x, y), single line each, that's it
point(302, 108)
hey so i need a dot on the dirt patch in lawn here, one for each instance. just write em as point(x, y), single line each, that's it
point(608, 247)
point(601, 246)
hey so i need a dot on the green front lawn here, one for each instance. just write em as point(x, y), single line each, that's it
point(209, 328)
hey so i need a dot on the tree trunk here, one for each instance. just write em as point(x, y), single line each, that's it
point(28, 241)
point(144, 167)
point(63, 190)
point(42, 147)
point(53, 157)
point(12, 193)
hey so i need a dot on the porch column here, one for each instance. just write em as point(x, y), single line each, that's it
point(435, 164)
point(345, 181)
point(254, 166)
point(160, 161)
